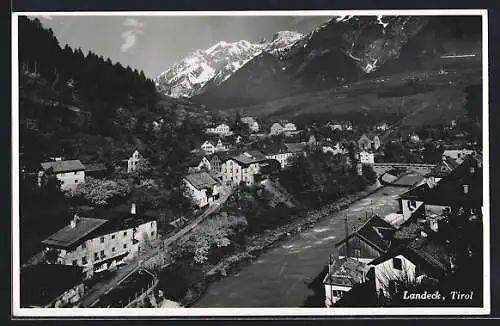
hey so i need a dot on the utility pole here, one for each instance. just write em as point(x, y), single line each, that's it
point(346, 235)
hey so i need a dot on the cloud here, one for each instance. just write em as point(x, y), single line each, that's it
point(134, 28)
point(132, 22)
point(129, 39)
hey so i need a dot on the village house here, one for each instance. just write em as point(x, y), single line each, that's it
point(253, 125)
point(134, 161)
point(368, 241)
point(414, 138)
point(458, 154)
point(70, 173)
point(383, 126)
point(366, 157)
point(334, 125)
point(433, 202)
point(280, 153)
point(210, 147)
point(328, 147)
point(242, 168)
point(198, 163)
point(343, 274)
point(99, 244)
point(222, 130)
point(51, 286)
point(365, 143)
point(441, 170)
point(347, 125)
point(202, 188)
point(422, 257)
point(276, 129)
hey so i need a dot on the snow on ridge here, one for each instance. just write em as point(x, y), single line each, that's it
point(219, 61)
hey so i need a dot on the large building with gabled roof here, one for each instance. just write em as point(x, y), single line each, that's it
point(70, 173)
point(100, 244)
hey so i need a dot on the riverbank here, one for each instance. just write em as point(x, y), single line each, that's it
point(258, 244)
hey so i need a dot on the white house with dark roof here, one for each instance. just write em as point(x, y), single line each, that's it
point(221, 130)
point(100, 244)
point(253, 125)
point(422, 257)
point(276, 129)
point(242, 168)
point(343, 274)
point(70, 173)
point(133, 161)
point(202, 188)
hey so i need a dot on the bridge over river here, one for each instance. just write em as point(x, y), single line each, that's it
point(381, 168)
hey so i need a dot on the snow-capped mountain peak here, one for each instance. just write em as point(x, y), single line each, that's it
point(188, 76)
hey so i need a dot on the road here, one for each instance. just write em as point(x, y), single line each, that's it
point(281, 276)
point(99, 289)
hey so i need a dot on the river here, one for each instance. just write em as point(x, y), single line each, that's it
point(280, 276)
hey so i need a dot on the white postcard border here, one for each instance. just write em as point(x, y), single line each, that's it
point(17, 311)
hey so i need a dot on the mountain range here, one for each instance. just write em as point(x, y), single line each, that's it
point(217, 63)
point(342, 51)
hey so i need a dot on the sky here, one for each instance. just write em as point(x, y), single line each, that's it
point(154, 43)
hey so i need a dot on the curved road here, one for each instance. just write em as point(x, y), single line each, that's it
point(280, 277)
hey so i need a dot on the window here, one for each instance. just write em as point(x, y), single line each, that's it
point(102, 239)
point(76, 181)
point(84, 245)
point(125, 233)
point(96, 256)
point(152, 233)
point(397, 264)
point(357, 252)
point(152, 224)
point(113, 249)
point(84, 260)
point(112, 236)
point(75, 173)
point(102, 254)
point(124, 246)
point(75, 262)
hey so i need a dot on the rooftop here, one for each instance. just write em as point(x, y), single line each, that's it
point(95, 167)
point(201, 180)
point(43, 283)
point(427, 253)
point(450, 190)
point(63, 166)
point(250, 157)
point(345, 272)
point(68, 236)
point(376, 231)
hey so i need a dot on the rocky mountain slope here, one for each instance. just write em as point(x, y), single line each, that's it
point(346, 50)
point(217, 63)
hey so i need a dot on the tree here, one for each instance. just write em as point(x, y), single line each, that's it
point(432, 153)
point(100, 191)
point(474, 104)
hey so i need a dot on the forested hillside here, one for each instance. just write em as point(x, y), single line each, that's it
point(88, 108)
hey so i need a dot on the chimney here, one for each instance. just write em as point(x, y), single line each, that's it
point(74, 221)
point(133, 209)
point(466, 189)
